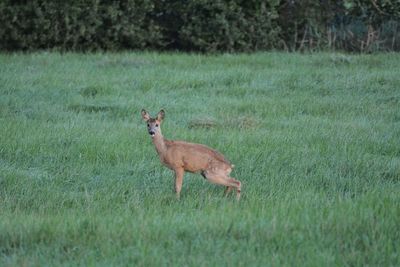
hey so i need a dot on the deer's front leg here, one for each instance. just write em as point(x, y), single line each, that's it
point(178, 181)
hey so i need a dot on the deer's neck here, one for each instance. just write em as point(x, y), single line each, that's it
point(159, 143)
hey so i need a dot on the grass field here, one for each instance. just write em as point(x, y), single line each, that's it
point(315, 140)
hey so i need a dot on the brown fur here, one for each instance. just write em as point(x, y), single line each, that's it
point(182, 156)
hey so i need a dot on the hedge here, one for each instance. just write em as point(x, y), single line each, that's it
point(78, 25)
point(200, 25)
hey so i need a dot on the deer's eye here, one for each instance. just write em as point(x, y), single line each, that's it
point(156, 125)
point(148, 125)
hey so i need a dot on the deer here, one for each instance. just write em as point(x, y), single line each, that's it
point(181, 157)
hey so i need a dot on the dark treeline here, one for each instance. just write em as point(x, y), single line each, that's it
point(200, 25)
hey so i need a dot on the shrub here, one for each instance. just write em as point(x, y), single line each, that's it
point(200, 25)
point(229, 26)
point(77, 25)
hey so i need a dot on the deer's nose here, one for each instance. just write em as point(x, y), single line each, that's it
point(151, 132)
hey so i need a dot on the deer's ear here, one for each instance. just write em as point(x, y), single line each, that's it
point(161, 115)
point(145, 115)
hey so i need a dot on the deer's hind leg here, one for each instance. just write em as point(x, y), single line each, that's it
point(238, 186)
point(228, 190)
point(220, 177)
point(237, 182)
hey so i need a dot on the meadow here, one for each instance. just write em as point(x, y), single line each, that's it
point(315, 139)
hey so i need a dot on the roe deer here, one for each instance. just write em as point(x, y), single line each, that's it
point(182, 156)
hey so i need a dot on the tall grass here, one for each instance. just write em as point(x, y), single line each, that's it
point(315, 140)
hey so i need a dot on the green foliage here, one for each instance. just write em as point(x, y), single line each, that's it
point(370, 25)
point(200, 25)
point(305, 22)
point(77, 25)
point(364, 26)
point(316, 147)
point(227, 26)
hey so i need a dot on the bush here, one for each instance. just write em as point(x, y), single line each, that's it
point(77, 25)
point(200, 25)
point(228, 26)
point(352, 25)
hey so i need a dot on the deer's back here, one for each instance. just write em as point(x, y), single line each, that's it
point(194, 157)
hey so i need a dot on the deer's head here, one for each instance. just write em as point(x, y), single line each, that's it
point(153, 124)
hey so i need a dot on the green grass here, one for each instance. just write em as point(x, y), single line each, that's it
point(315, 140)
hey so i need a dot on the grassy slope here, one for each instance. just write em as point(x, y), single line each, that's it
point(315, 140)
